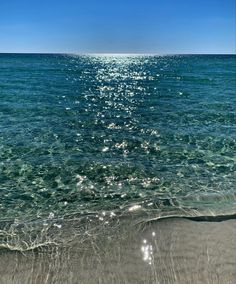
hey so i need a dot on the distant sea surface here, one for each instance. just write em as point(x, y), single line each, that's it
point(98, 135)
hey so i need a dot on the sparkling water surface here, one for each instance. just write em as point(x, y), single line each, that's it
point(88, 134)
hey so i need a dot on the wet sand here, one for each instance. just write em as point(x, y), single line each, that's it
point(174, 250)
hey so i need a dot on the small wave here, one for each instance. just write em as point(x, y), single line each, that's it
point(200, 218)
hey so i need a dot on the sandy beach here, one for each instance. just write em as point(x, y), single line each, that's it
point(174, 250)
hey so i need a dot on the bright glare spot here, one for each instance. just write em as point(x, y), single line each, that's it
point(147, 252)
point(134, 208)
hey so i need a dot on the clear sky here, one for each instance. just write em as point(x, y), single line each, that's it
point(118, 26)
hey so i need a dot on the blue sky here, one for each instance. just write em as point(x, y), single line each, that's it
point(118, 26)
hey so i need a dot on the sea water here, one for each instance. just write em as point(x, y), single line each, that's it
point(108, 135)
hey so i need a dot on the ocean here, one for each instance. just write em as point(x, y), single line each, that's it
point(100, 138)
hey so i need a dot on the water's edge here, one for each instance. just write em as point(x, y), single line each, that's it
point(168, 250)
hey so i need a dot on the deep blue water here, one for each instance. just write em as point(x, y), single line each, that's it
point(88, 134)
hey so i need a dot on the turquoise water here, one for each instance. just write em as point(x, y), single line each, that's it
point(89, 134)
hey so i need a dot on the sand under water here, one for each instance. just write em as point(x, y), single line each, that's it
point(168, 250)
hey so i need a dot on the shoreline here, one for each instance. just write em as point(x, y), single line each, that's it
point(173, 250)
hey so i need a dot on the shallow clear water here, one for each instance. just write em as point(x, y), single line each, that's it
point(83, 134)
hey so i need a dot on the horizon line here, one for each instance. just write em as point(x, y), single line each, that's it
point(116, 53)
